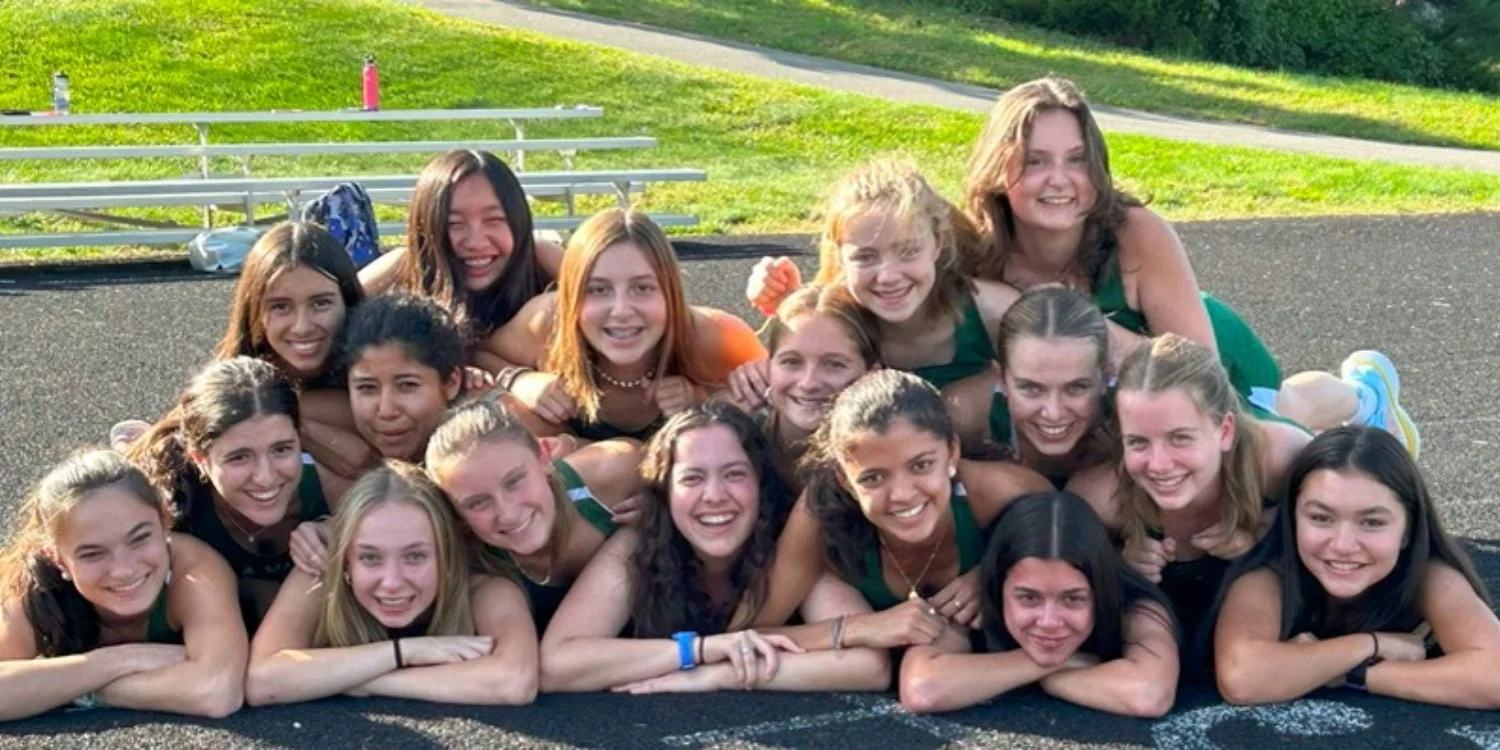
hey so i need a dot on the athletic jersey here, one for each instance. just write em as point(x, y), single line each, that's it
point(1192, 586)
point(158, 629)
point(972, 351)
point(966, 533)
point(596, 431)
point(545, 597)
point(205, 524)
point(1244, 356)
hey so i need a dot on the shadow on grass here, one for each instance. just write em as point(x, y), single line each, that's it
point(905, 42)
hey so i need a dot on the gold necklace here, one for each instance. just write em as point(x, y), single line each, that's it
point(543, 581)
point(227, 513)
point(912, 594)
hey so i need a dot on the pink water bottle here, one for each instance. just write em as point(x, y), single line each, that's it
point(371, 88)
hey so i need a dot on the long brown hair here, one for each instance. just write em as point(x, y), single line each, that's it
point(486, 421)
point(431, 268)
point(569, 356)
point(286, 246)
point(343, 622)
point(1171, 362)
point(669, 595)
point(995, 155)
point(898, 189)
point(222, 395)
point(64, 621)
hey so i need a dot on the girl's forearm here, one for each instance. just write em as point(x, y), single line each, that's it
point(1466, 679)
point(292, 676)
point(1122, 686)
point(31, 686)
point(933, 682)
point(487, 681)
point(586, 664)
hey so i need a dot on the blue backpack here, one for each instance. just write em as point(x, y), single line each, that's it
point(347, 214)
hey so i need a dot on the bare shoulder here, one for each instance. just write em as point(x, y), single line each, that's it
point(191, 556)
point(494, 592)
point(1146, 237)
point(381, 274)
point(17, 636)
point(1279, 447)
point(994, 298)
point(993, 485)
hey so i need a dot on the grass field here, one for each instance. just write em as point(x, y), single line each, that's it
point(922, 38)
point(769, 148)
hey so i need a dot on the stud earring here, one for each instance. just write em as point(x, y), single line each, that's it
point(952, 471)
point(66, 577)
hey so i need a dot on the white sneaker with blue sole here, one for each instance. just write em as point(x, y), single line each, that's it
point(1374, 370)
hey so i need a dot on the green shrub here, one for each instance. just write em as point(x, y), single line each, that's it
point(1452, 43)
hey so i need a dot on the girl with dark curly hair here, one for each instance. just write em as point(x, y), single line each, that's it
point(667, 607)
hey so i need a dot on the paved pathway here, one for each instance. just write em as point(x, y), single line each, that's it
point(902, 87)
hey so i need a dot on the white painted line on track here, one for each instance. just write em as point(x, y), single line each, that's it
point(793, 724)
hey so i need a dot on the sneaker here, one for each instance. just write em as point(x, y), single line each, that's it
point(1375, 371)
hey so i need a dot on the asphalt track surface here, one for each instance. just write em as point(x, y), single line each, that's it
point(82, 349)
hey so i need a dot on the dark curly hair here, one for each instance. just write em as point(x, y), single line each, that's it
point(669, 592)
point(874, 402)
point(424, 330)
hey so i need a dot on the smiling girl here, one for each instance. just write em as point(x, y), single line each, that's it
point(1357, 586)
point(1060, 611)
point(1052, 407)
point(529, 514)
point(469, 244)
point(1038, 187)
point(666, 607)
point(404, 356)
point(617, 346)
point(99, 605)
point(820, 342)
point(294, 294)
point(397, 614)
point(1197, 473)
point(229, 458)
point(892, 241)
point(891, 509)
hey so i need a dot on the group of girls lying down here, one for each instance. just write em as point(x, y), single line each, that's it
point(1004, 445)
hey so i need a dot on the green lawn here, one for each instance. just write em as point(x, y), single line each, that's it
point(921, 38)
point(769, 148)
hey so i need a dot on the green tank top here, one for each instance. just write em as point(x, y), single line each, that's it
point(1245, 358)
point(545, 597)
point(158, 629)
point(966, 533)
point(972, 351)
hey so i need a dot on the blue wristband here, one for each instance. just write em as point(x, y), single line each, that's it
point(685, 640)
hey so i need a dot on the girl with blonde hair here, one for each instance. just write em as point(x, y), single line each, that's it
point(616, 349)
point(101, 605)
point(902, 251)
point(1196, 471)
point(531, 513)
point(397, 612)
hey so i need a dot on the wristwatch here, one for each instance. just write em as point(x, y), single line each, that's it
point(1355, 679)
